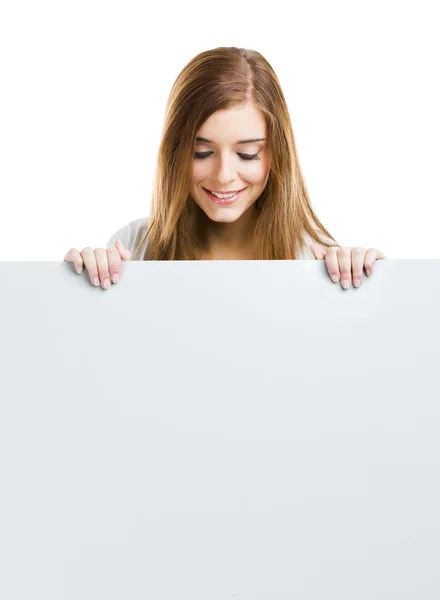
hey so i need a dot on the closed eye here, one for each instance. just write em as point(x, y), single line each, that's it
point(243, 156)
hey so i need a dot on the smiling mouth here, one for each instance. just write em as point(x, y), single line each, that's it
point(227, 192)
point(224, 201)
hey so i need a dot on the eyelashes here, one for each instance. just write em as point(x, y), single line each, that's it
point(242, 156)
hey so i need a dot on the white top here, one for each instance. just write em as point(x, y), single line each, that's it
point(131, 235)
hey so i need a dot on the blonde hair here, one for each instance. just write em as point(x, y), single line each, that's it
point(215, 80)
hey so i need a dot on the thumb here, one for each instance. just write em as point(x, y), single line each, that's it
point(123, 251)
point(318, 252)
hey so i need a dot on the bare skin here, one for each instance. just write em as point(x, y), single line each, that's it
point(220, 254)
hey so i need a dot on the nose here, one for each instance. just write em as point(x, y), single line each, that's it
point(224, 171)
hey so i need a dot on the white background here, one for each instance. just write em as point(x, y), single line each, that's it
point(83, 92)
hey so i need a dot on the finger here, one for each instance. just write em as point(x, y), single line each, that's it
point(331, 261)
point(357, 265)
point(114, 264)
point(123, 251)
point(318, 251)
point(344, 259)
point(103, 266)
point(90, 263)
point(75, 257)
point(371, 256)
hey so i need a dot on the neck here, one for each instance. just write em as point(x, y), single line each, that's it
point(233, 237)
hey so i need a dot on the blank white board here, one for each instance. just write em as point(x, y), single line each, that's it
point(220, 429)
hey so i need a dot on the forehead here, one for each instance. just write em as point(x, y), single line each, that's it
point(233, 124)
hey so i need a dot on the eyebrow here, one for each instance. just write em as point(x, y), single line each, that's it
point(202, 139)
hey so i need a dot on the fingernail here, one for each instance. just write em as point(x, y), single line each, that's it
point(115, 278)
point(79, 270)
point(121, 244)
point(335, 278)
point(357, 282)
point(345, 284)
point(368, 272)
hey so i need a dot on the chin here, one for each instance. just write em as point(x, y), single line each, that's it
point(231, 219)
point(223, 216)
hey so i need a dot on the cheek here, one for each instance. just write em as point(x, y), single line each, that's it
point(199, 172)
point(259, 176)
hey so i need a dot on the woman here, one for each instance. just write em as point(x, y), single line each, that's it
point(228, 184)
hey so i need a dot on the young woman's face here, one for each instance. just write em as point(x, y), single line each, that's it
point(224, 165)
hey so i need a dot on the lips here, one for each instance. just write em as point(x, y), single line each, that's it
point(228, 192)
point(225, 201)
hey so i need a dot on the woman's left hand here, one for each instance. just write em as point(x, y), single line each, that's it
point(341, 261)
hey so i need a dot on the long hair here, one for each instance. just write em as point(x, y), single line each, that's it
point(214, 80)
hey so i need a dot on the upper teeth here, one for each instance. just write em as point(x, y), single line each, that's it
point(223, 195)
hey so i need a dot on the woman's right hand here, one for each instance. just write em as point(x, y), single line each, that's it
point(102, 264)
